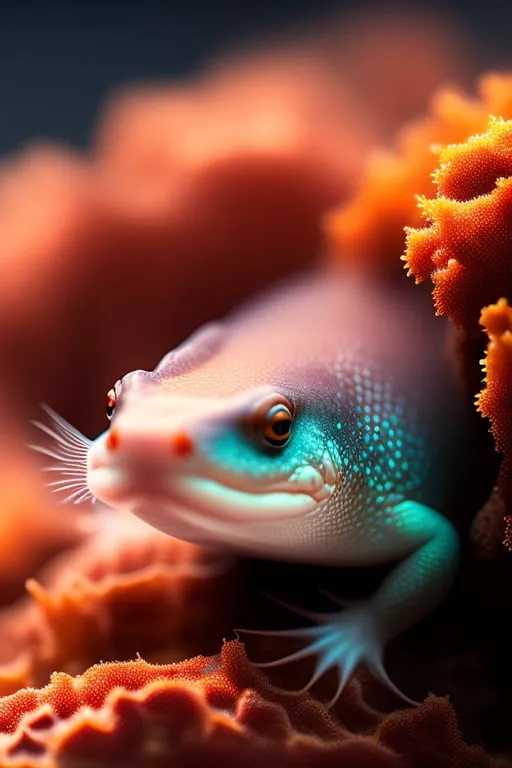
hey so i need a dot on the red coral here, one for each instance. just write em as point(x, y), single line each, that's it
point(428, 736)
point(466, 246)
point(209, 712)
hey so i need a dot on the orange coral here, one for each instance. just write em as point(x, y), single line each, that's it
point(370, 228)
point(126, 587)
point(495, 400)
point(208, 712)
point(466, 246)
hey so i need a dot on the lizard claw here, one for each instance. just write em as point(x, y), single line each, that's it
point(342, 640)
point(343, 602)
point(311, 615)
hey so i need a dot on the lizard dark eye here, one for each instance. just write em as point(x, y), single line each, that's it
point(272, 420)
point(112, 396)
point(111, 403)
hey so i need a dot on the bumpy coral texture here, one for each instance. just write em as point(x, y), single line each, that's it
point(213, 711)
point(465, 247)
point(369, 229)
point(123, 588)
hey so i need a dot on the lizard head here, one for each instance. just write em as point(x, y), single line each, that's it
point(229, 440)
point(267, 432)
point(212, 464)
point(219, 444)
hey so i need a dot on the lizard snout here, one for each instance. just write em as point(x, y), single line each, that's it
point(180, 443)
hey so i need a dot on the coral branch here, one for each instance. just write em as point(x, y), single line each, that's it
point(465, 247)
point(370, 228)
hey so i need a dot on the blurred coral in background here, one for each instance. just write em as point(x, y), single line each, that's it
point(185, 185)
point(193, 196)
point(370, 228)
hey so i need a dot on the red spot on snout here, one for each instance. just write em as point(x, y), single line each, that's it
point(182, 444)
point(112, 440)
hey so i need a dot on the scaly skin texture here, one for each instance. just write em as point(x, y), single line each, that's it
point(363, 477)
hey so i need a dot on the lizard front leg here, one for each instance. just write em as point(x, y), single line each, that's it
point(413, 588)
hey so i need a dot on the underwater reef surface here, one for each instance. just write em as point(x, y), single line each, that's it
point(217, 710)
point(112, 257)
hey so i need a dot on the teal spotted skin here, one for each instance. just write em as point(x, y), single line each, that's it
point(364, 477)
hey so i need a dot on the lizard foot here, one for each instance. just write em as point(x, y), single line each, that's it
point(340, 639)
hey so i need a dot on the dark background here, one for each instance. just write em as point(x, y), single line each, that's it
point(59, 59)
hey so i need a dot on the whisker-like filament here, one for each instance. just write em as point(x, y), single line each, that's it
point(69, 483)
point(70, 437)
point(86, 496)
point(79, 492)
point(60, 470)
point(70, 453)
point(54, 454)
point(59, 438)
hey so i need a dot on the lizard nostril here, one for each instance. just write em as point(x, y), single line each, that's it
point(112, 442)
point(182, 444)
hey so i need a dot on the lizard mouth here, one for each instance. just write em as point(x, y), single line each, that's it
point(206, 497)
point(218, 495)
point(215, 499)
point(207, 512)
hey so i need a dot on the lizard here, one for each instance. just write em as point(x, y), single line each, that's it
point(321, 423)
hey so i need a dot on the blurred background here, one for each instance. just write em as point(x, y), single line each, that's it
point(59, 59)
point(150, 150)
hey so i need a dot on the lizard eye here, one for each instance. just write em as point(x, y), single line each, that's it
point(112, 395)
point(272, 420)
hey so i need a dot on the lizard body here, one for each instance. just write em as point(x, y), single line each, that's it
point(319, 424)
